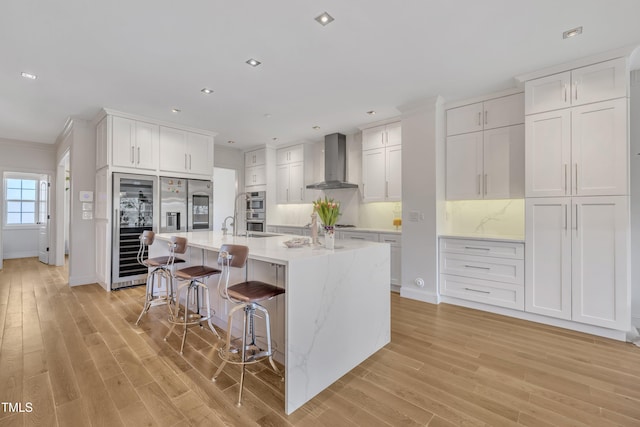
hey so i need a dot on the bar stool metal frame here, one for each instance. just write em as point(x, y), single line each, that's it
point(161, 268)
point(193, 277)
point(246, 296)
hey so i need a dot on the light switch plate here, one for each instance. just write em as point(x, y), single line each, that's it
point(86, 196)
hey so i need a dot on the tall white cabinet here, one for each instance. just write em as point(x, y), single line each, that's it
point(576, 184)
point(382, 163)
point(485, 149)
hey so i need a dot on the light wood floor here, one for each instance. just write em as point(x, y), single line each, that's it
point(75, 354)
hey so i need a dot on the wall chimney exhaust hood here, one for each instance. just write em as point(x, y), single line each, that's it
point(335, 164)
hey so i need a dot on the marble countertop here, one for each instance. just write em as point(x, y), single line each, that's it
point(491, 237)
point(269, 249)
point(359, 229)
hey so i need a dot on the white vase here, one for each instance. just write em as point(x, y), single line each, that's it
point(329, 238)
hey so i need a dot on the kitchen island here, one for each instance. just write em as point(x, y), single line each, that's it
point(336, 309)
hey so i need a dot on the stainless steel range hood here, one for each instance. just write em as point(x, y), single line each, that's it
point(335, 164)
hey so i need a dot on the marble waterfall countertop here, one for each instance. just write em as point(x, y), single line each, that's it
point(359, 229)
point(337, 304)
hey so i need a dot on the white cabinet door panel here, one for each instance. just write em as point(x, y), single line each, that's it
point(548, 93)
point(464, 167)
point(504, 111)
point(146, 151)
point(599, 148)
point(173, 157)
point(548, 154)
point(393, 156)
point(373, 175)
point(465, 119)
point(599, 267)
point(599, 82)
point(504, 162)
point(394, 133)
point(548, 257)
point(282, 184)
point(200, 154)
point(296, 182)
point(123, 134)
point(373, 138)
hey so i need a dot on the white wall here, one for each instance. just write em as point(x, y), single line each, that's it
point(79, 137)
point(635, 196)
point(422, 142)
point(24, 156)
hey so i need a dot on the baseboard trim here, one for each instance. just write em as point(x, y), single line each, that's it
point(560, 323)
point(23, 254)
point(419, 295)
point(82, 280)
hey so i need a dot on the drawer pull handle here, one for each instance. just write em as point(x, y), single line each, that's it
point(476, 290)
point(477, 248)
point(356, 238)
point(477, 266)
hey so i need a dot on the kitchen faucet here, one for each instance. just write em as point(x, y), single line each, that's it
point(224, 225)
point(235, 212)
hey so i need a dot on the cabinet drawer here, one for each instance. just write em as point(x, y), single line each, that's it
point(494, 293)
point(354, 235)
point(393, 239)
point(487, 268)
point(513, 250)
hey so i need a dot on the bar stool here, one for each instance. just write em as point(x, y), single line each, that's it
point(161, 268)
point(193, 277)
point(246, 295)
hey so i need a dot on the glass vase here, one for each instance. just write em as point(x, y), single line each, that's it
point(329, 237)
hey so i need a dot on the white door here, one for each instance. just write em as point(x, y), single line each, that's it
point(123, 134)
point(296, 182)
point(599, 148)
point(599, 267)
point(504, 162)
point(599, 82)
point(504, 111)
point(373, 138)
point(146, 154)
point(373, 175)
point(548, 257)
point(43, 219)
point(173, 146)
point(282, 184)
point(200, 154)
point(465, 119)
point(464, 167)
point(548, 154)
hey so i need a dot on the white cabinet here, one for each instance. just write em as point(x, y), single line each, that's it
point(382, 136)
point(489, 114)
point(578, 151)
point(255, 172)
point(576, 262)
point(290, 175)
point(593, 83)
point(486, 165)
point(382, 163)
point(187, 152)
point(102, 142)
point(134, 144)
point(483, 271)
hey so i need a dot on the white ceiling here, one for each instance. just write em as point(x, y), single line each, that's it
point(145, 57)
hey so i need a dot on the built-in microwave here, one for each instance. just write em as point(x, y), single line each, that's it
point(256, 201)
point(253, 225)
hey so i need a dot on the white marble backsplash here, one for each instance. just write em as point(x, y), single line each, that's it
point(479, 218)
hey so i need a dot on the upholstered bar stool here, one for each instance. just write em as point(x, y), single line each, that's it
point(193, 277)
point(161, 268)
point(246, 295)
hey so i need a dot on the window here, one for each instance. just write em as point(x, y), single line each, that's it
point(20, 201)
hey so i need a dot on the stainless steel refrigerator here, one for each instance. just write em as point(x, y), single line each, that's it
point(185, 205)
point(135, 210)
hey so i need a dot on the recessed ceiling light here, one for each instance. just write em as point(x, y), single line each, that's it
point(572, 32)
point(324, 18)
point(28, 76)
point(267, 116)
point(316, 127)
point(231, 142)
point(371, 112)
point(206, 90)
point(274, 139)
point(253, 62)
point(176, 110)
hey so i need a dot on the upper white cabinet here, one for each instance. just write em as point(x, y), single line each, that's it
point(485, 150)
point(187, 152)
point(382, 163)
point(576, 259)
point(255, 168)
point(382, 136)
point(134, 144)
point(584, 85)
point(490, 114)
point(579, 151)
point(290, 174)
